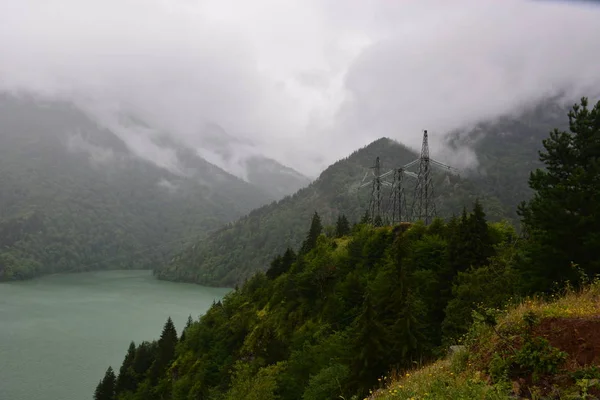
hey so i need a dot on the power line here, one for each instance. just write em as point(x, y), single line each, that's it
point(423, 205)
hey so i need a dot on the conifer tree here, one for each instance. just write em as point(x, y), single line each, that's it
point(315, 230)
point(469, 243)
point(166, 350)
point(563, 217)
point(342, 226)
point(126, 381)
point(370, 345)
point(479, 241)
point(106, 388)
point(275, 268)
point(281, 264)
point(188, 323)
point(144, 357)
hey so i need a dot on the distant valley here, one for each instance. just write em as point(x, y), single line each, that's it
point(73, 195)
point(76, 197)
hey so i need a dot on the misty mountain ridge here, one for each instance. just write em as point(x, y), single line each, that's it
point(241, 158)
point(73, 195)
point(236, 156)
point(239, 249)
point(507, 151)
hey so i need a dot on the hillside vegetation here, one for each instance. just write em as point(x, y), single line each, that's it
point(538, 349)
point(507, 151)
point(237, 251)
point(341, 310)
point(73, 197)
point(334, 317)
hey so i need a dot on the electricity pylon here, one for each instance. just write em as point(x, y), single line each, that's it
point(423, 207)
point(397, 210)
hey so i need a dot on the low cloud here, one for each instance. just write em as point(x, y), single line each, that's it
point(303, 81)
point(98, 155)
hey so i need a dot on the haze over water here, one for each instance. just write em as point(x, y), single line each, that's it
point(59, 333)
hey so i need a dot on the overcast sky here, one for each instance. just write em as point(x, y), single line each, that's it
point(307, 81)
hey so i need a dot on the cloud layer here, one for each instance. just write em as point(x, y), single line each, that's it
point(305, 81)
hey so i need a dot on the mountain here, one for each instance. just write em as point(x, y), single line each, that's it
point(463, 309)
point(273, 177)
point(74, 196)
point(238, 250)
point(328, 321)
point(507, 150)
point(242, 158)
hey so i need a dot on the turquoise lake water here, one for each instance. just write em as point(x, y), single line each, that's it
point(59, 333)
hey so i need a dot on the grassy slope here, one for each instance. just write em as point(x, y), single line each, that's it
point(570, 323)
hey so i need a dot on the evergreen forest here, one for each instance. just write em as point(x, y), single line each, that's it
point(353, 303)
point(507, 152)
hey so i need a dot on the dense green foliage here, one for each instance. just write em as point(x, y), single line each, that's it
point(506, 151)
point(331, 319)
point(235, 252)
point(106, 388)
point(73, 197)
point(563, 218)
point(328, 321)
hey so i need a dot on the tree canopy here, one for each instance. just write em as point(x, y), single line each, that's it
point(563, 217)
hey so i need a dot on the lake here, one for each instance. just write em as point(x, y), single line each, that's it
point(59, 333)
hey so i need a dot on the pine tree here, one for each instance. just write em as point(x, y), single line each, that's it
point(315, 230)
point(106, 388)
point(188, 323)
point(275, 268)
point(126, 381)
point(144, 357)
point(479, 240)
point(166, 350)
point(469, 242)
point(342, 226)
point(369, 346)
point(281, 264)
point(563, 217)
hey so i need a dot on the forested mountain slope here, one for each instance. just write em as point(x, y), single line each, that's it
point(73, 197)
point(353, 309)
point(507, 150)
point(238, 250)
point(323, 322)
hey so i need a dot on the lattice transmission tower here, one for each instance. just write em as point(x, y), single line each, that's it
point(423, 207)
point(398, 205)
point(376, 210)
point(375, 201)
point(397, 210)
